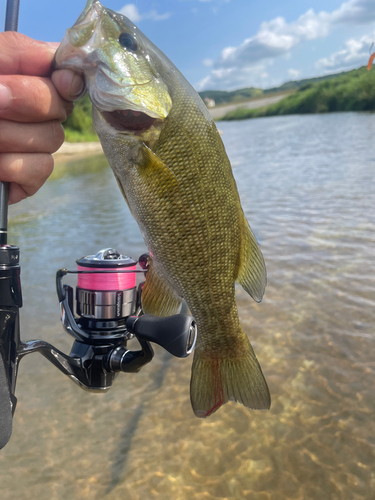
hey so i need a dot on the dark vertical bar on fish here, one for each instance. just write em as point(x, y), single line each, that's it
point(11, 24)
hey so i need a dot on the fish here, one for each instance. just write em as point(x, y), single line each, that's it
point(174, 173)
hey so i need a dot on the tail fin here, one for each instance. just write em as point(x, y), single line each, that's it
point(217, 380)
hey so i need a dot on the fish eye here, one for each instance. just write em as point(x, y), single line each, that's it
point(128, 41)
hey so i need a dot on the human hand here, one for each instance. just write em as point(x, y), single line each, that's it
point(31, 109)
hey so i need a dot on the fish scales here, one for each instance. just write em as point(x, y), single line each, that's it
point(175, 175)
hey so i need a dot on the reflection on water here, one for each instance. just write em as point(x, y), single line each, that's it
point(306, 183)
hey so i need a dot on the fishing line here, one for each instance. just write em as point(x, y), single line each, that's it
point(110, 281)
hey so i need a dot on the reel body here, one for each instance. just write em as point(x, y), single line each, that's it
point(102, 315)
point(10, 302)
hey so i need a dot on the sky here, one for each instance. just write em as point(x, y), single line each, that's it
point(231, 44)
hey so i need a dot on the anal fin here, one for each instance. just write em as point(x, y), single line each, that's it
point(252, 274)
point(158, 298)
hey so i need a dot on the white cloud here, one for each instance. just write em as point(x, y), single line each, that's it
point(131, 11)
point(231, 78)
point(355, 12)
point(278, 38)
point(227, 52)
point(154, 16)
point(207, 62)
point(355, 53)
point(293, 73)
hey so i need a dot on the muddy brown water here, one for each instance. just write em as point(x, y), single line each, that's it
point(307, 188)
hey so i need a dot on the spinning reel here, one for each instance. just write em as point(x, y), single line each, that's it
point(108, 314)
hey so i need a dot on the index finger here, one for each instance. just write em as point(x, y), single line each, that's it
point(32, 99)
point(21, 55)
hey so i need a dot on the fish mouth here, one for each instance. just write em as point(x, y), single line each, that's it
point(128, 120)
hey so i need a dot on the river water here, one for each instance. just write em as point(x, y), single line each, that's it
point(307, 188)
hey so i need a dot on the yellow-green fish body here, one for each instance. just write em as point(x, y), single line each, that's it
point(172, 168)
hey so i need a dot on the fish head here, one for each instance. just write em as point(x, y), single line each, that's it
point(111, 53)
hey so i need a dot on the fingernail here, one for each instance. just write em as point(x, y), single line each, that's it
point(77, 86)
point(5, 97)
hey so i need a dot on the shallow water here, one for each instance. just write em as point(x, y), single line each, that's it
point(307, 187)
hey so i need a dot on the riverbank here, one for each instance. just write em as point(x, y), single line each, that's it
point(76, 150)
point(219, 112)
point(352, 91)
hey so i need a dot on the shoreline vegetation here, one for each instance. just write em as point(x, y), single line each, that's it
point(78, 126)
point(349, 91)
point(352, 91)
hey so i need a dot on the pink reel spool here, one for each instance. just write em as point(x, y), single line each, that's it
point(107, 288)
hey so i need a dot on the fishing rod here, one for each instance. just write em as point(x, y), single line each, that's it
point(10, 288)
point(102, 314)
point(11, 24)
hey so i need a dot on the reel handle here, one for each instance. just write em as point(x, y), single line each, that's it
point(177, 334)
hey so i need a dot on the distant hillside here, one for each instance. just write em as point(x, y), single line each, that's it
point(228, 97)
point(295, 84)
point(224, 97)
point(350, 91)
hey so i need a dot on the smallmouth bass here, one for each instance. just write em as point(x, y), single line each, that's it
point(172, 168)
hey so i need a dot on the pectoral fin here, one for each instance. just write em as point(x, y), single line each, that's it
point(155, 173)
point(122, 190)
point(252, 270)
point(158, 298)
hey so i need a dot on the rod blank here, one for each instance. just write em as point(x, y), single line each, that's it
point(11, 16)
point(11, 24)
